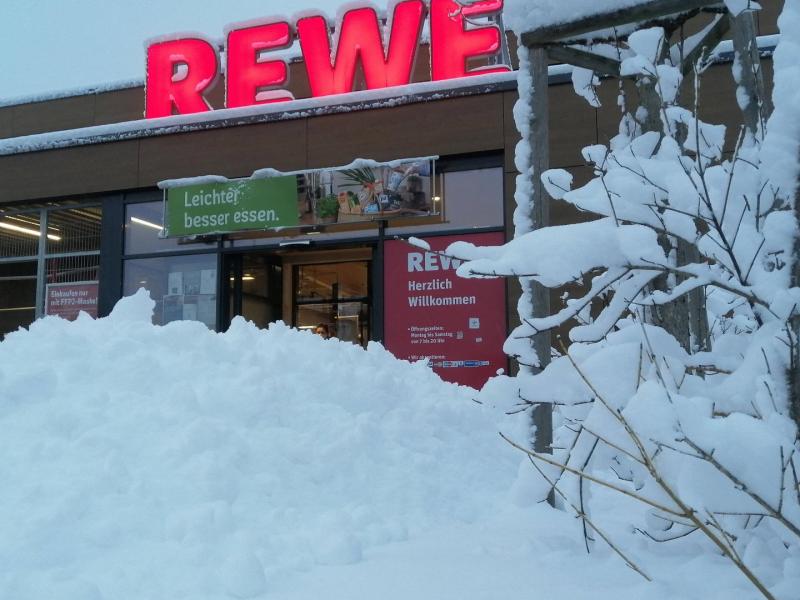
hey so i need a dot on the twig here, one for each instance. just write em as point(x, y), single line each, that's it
point(582, 515)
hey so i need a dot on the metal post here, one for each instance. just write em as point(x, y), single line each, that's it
point(377, 295)
point(540, 217)
point(750, 78)
point(41, 264)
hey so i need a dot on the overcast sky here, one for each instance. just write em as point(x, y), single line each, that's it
point(51, 45)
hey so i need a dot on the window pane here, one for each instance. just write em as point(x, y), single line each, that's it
point(184, 287)
point(332, 281)
point(19, 234)
point(17, 296)
point(143, 224)
point(471, 199)
point(347, 321)
point(72, 286)
point(72, 269)
point(73, 230)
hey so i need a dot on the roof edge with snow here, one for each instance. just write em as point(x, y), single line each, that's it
point(308, 107)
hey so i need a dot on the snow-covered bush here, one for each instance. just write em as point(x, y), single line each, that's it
point(701, 432)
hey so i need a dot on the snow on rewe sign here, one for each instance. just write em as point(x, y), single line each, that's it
point(181, 70)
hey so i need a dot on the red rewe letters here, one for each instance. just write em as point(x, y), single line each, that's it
point(361, 38)
point(168, 88)
point(181, 71)
point(452, 45)
point(246, 73)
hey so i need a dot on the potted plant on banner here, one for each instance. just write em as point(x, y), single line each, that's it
point(327, 209)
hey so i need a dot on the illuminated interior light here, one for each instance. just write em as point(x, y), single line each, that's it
point(31, 222)
point(139, 221)
point(27, 231)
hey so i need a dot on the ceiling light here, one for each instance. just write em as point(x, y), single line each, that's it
point(27, 231)
point(139, 221)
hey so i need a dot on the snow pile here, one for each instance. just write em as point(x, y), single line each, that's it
point(150, 462)
point(144, 463)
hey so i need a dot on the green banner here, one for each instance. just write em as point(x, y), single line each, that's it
point(239, 205)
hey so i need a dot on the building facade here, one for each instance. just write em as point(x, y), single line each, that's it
point(81, 212)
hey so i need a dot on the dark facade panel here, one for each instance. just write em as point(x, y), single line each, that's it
point(119, 106)
point(768, 16)
point(573, 125)
point(455, 126)
point(52, 115)
point(6, 123)
point(68, 172)
point(233, 152)
point(298, 80)
point(510, 134)
point(608, 116)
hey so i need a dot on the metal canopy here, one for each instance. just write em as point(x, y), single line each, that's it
point(646, 11)
point(571, 42)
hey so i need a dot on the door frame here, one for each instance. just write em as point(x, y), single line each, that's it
point(232, 266)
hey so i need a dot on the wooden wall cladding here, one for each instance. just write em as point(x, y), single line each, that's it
point(69, 171)
point(442, 127)
point(52, 115)
point(768, 16)
point(233, 152)
point(453, 126)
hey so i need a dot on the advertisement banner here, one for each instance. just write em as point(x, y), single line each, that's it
point(366, 190)
point(360, 192)
point(66, 300)
point(235, 205)
point(457, 325)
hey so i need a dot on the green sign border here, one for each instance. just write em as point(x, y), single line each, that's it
point(216, 208)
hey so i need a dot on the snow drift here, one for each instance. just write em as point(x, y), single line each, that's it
point(174, 462)
point(153, 463)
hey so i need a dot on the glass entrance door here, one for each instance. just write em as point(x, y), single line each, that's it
point(333, 298)
point(255, 288)
point(328, 291)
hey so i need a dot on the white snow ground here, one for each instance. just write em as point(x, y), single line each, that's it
point(143, 462)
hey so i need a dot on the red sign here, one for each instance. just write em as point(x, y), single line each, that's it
point(456, 324)
point(182, 70)
point(66, 300)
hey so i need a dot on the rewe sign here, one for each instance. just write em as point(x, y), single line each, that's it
point(181, 71)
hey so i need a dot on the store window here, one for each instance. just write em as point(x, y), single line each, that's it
point(19, 234)
point(49, 263)
point(143, 226)
point(74, 230)
point(17, 295)
point(471, 199)
point(184, 287)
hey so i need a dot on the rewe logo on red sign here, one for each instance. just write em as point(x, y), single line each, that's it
point(181, 71)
